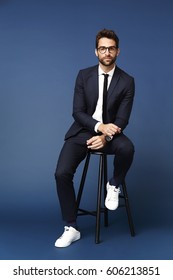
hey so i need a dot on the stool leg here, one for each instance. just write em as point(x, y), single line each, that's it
point(105, 191)
point(128, 209)
point(79, 195)
point(99, 194)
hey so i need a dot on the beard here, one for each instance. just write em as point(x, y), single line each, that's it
point(106, 62)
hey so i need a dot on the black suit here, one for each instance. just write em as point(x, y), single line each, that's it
point(119, 105)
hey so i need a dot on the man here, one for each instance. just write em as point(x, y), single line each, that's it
point(98, 125)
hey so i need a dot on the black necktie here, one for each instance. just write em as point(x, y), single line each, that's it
point(105, 91)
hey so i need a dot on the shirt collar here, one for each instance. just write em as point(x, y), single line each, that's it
point(101, 72)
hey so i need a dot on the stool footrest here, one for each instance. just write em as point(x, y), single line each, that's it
point(82, 212)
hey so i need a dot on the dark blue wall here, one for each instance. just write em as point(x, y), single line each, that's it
point(43, 44)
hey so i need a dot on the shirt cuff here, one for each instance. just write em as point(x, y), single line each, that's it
point(96, 127)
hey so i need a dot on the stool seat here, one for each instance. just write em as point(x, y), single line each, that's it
point(102, 181)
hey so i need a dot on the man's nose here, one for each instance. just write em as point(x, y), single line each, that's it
point(107, 51)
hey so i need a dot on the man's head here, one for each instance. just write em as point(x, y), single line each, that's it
point(106, 33)
point(107, 48)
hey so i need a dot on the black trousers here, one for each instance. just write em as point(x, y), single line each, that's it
point(73, 152)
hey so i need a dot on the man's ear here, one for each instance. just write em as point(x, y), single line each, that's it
point(96, 52)
point(118, 52)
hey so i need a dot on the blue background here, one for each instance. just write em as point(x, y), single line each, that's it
point(43, 44)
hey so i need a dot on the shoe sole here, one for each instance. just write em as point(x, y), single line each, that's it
point(64, 246)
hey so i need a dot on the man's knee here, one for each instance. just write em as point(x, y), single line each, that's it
point(131, 148)
point(62, 174)
point(127, 148)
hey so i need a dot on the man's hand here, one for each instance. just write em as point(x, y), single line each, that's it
point(96, 142)
point(109, 129)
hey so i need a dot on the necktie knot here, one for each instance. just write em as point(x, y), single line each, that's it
point(105, 76)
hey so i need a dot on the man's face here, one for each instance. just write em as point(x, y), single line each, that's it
point(107, 57)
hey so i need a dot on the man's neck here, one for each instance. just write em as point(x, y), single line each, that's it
point(107, 69)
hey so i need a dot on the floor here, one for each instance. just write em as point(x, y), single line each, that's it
point(23, 239)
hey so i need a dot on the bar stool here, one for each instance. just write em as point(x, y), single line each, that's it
point(102, 181)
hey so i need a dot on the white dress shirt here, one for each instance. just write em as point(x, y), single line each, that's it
point(99, 107)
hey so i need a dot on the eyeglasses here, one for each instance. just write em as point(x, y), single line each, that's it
point(111, 49)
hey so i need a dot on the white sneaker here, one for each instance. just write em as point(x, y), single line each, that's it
point(70, 235)
point(111, 201)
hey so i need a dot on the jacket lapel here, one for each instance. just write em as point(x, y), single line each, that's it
point(114, 81)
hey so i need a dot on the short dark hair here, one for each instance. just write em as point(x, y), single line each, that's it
point(106, 33)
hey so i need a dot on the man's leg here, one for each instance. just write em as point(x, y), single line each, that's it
point(72, 153)
point(123, 149)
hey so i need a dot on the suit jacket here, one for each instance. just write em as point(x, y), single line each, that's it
point(119, 100)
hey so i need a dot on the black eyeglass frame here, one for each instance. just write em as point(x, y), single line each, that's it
point(103, 49)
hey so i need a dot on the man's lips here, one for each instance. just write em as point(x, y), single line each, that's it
point(108, 57)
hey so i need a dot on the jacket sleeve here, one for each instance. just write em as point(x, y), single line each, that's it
point(82, 112)
point(125, 106)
